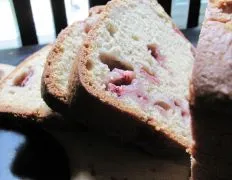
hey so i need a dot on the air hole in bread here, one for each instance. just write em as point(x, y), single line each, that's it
point(142, 97)
point(113, 62)
point(177, 103)
point(23, 78)
point(155, 52)
point(90, 84)
point(148, 71)
point(111, 29)
point(184, 113)
point(86, 46)
point(89, 65)
point(163, 105)
point(87, 28)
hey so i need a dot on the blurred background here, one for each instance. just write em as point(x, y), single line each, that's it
point(75, 10)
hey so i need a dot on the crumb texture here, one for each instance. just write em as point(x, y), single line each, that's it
point(137, 56)
point(5, 70)
point(64, 53)
point(20, 92)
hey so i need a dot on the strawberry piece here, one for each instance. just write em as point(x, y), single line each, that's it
point(120, 77)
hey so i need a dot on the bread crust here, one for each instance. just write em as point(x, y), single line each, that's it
point(211, 95)
point(212, 76)
point(55, 97)
point(118, 125)
point(52, 95)
point(115, 104)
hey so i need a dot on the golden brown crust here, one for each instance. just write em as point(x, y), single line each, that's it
point(212, 75)
point(211, 95)
point(52, 95)
point(110, 121)
point(117, 105)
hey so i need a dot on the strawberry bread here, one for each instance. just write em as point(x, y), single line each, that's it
point(136, 62)
point(211, 95)
point(20, 95)
point(56, 87)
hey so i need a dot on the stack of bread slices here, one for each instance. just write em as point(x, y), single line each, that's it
point(125, 70)
point(20, 90)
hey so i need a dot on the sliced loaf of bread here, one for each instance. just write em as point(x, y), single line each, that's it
point(55, 82)
point(20, 94)
point(137, 62)
point(211, 95)
point(5, 69)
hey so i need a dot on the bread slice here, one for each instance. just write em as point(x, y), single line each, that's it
point(211, 95)
point(55, 82)
point(5, 69)
point(212, 73)
point(137, 62)
point(20, 94)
